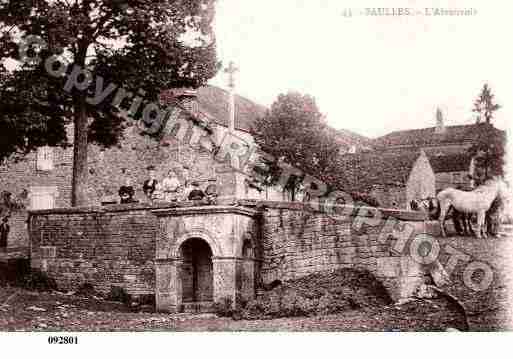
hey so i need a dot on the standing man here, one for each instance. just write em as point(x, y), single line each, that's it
point(4, 231)
point(170, 186)
point(150, 184)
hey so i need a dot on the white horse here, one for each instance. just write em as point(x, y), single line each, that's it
point(477, 201)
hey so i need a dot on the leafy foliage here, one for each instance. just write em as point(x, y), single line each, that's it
point(142, 46)
point(294, 132)
point(488, 148)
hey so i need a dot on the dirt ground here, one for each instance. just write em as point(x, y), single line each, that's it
point(491, 308)
point(22, 310)
point(30, 311)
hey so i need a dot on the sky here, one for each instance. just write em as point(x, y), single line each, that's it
point(370, 74)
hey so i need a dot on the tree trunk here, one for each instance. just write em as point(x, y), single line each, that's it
point(80, 168)
point(486, 163)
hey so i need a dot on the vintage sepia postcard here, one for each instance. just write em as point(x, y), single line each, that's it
point(254, 166)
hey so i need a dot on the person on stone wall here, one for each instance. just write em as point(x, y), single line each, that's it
point(158, 194)
point(196, 194)
point(170, 187)
point(4, 231)
point(150, 184)
point(211, 194)
point(187, 188)
point(126, 192)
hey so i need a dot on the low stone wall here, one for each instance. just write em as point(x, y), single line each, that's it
point(104, 247)
point(297, 241)
point(137, 247)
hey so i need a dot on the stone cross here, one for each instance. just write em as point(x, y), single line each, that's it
point(231, 70)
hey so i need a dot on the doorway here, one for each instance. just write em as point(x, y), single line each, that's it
point(197, 271)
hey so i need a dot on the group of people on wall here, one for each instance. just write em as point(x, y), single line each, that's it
point(168, 189)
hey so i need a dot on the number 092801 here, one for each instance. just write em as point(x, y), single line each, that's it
point(62, 340)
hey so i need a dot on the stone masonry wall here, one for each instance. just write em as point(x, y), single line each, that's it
point(390, 196)
point(116, 245)
point(298, 242)
point(102, 247)
point(15, 177)
point(135, 153)
point(453, 179)
point(22, 175)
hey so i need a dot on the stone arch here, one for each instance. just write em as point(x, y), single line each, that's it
point(201, 234)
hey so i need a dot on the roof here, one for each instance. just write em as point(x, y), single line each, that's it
point(347, 139)
point(450, 163)
point(213, 101)
point(429, 137)
point(360, 172)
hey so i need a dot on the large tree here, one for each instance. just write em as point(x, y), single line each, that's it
point(127, 51)
point(489, 146)
point(294, 132)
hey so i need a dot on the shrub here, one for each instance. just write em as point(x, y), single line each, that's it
point(224, 308)
point(293, 305)
point(119, 294)
point(37, 281)
point(87, 290)
point(252, 310)
point(147, 299)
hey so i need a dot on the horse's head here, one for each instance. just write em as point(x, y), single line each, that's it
point(426, 205)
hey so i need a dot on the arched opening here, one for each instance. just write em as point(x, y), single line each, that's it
point(196, 271)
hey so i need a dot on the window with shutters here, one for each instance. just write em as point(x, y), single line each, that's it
point(44, 161)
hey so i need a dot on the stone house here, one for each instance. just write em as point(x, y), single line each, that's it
point(446, 146)
point(44, 176)
point(434, 141)
point(453, 170)
point(393, 179)
point(42, 180)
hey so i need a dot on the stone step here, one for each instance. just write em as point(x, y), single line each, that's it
point(198, 307)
